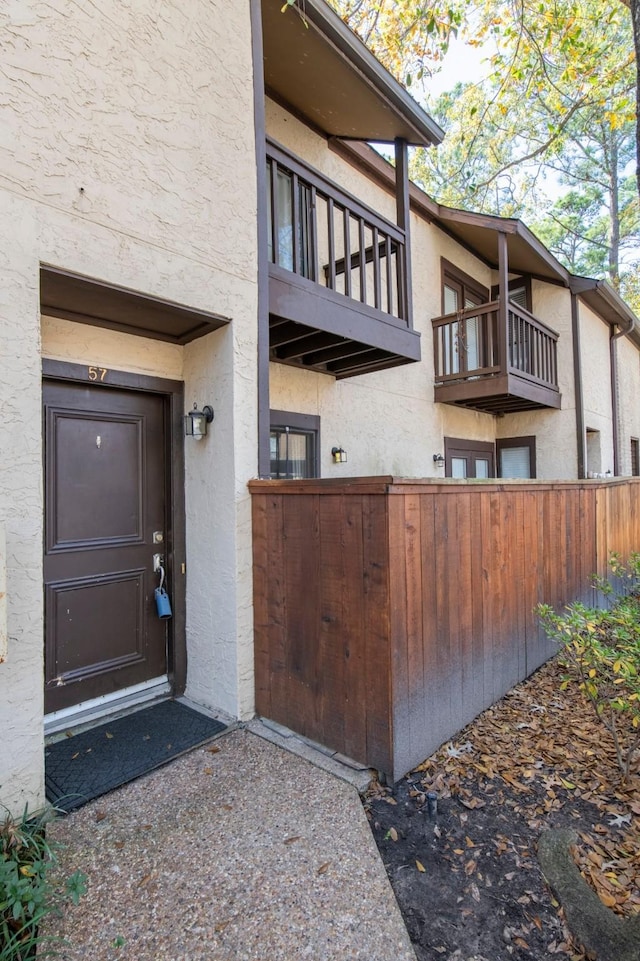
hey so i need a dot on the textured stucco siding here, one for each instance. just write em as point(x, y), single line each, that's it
point(628, 361)
point(21, 694)
point(596, 384)
point(127, 154)
point(554, 430)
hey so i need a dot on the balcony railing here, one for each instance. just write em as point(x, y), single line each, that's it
point(471, 371)
point(321, 233)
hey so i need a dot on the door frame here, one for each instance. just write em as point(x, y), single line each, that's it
point(172, 392)
point(456, 445)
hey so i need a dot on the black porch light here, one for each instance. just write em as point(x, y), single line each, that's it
point(196, 421)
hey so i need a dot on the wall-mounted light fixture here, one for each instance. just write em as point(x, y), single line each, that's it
point(438, 459)
point(195, 422)
point(339, 455)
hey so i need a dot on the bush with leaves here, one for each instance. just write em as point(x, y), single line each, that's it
point(27, 893)
point(601, 650)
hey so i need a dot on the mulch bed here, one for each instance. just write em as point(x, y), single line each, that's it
point(468, 880)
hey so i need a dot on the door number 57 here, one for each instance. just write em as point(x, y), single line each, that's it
point(97, 373)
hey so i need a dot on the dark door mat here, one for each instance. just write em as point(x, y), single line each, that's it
point(84, 766)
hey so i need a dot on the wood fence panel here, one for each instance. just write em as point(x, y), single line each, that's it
point(355, 641)
point(389, 613)
point(377, 606)
point(414, 553)
point(334, 612)
point(261, 593)
point(398, 626)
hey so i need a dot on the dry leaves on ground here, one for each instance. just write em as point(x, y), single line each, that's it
point(539, 758)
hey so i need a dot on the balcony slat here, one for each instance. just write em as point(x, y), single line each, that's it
point(377, 285)
point(347, 251)
point(363, 261)
point(274, 212)
point(295, 206)
point(331, 279)
point(389, 275)
point(313, 265)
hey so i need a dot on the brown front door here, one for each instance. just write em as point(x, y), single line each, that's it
point(105, 498)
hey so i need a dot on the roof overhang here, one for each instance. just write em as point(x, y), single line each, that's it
point(318, 66)
point(478, 233)
point(87, 301)
point(605, 301)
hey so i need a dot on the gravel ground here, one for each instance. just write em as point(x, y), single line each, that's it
point(238, 850)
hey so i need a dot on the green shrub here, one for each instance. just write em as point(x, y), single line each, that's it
point(601, 650)
point(27, 893)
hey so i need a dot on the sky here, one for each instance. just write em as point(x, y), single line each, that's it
point(461, 63)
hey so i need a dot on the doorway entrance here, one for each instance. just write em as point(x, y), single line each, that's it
point(108, 511)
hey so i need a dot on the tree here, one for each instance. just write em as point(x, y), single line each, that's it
point(568, 48)
point(558, 106)
point(592, 226)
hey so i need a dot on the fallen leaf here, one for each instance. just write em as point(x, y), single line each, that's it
point(393, 834)
point(108, 735)
point(420, 866)
point(212, 750)
point(292, 840)
point(323, 868)
point(221, 925)
point(208, 770)
point(100, 815)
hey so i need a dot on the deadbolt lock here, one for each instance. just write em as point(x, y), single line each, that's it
point(158, 537)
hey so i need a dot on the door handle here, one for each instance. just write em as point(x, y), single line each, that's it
point(158, 562)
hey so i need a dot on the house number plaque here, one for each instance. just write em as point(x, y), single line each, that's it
point(97, 373)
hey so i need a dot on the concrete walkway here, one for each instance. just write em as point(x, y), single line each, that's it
point(234, 852)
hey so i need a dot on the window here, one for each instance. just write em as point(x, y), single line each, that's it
point(282, 208)
point(468, 458)
point(516, 457)
point(594, 453)
point(294, 444)
point(635, 457)
point(519, 292)
point(463, 345)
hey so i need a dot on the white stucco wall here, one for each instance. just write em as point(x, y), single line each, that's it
point(554, 430)
point(596, 383)
point(121, 159)
point(628, 359)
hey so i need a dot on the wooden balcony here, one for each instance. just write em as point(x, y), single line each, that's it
point(488, 365)
point(338, 286)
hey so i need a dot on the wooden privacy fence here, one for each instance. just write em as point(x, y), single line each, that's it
point(390, 612)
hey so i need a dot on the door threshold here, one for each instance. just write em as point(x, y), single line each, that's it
point(90, 712)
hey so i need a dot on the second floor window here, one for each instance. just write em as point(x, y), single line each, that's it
point(460, 293)
point(289, 197)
